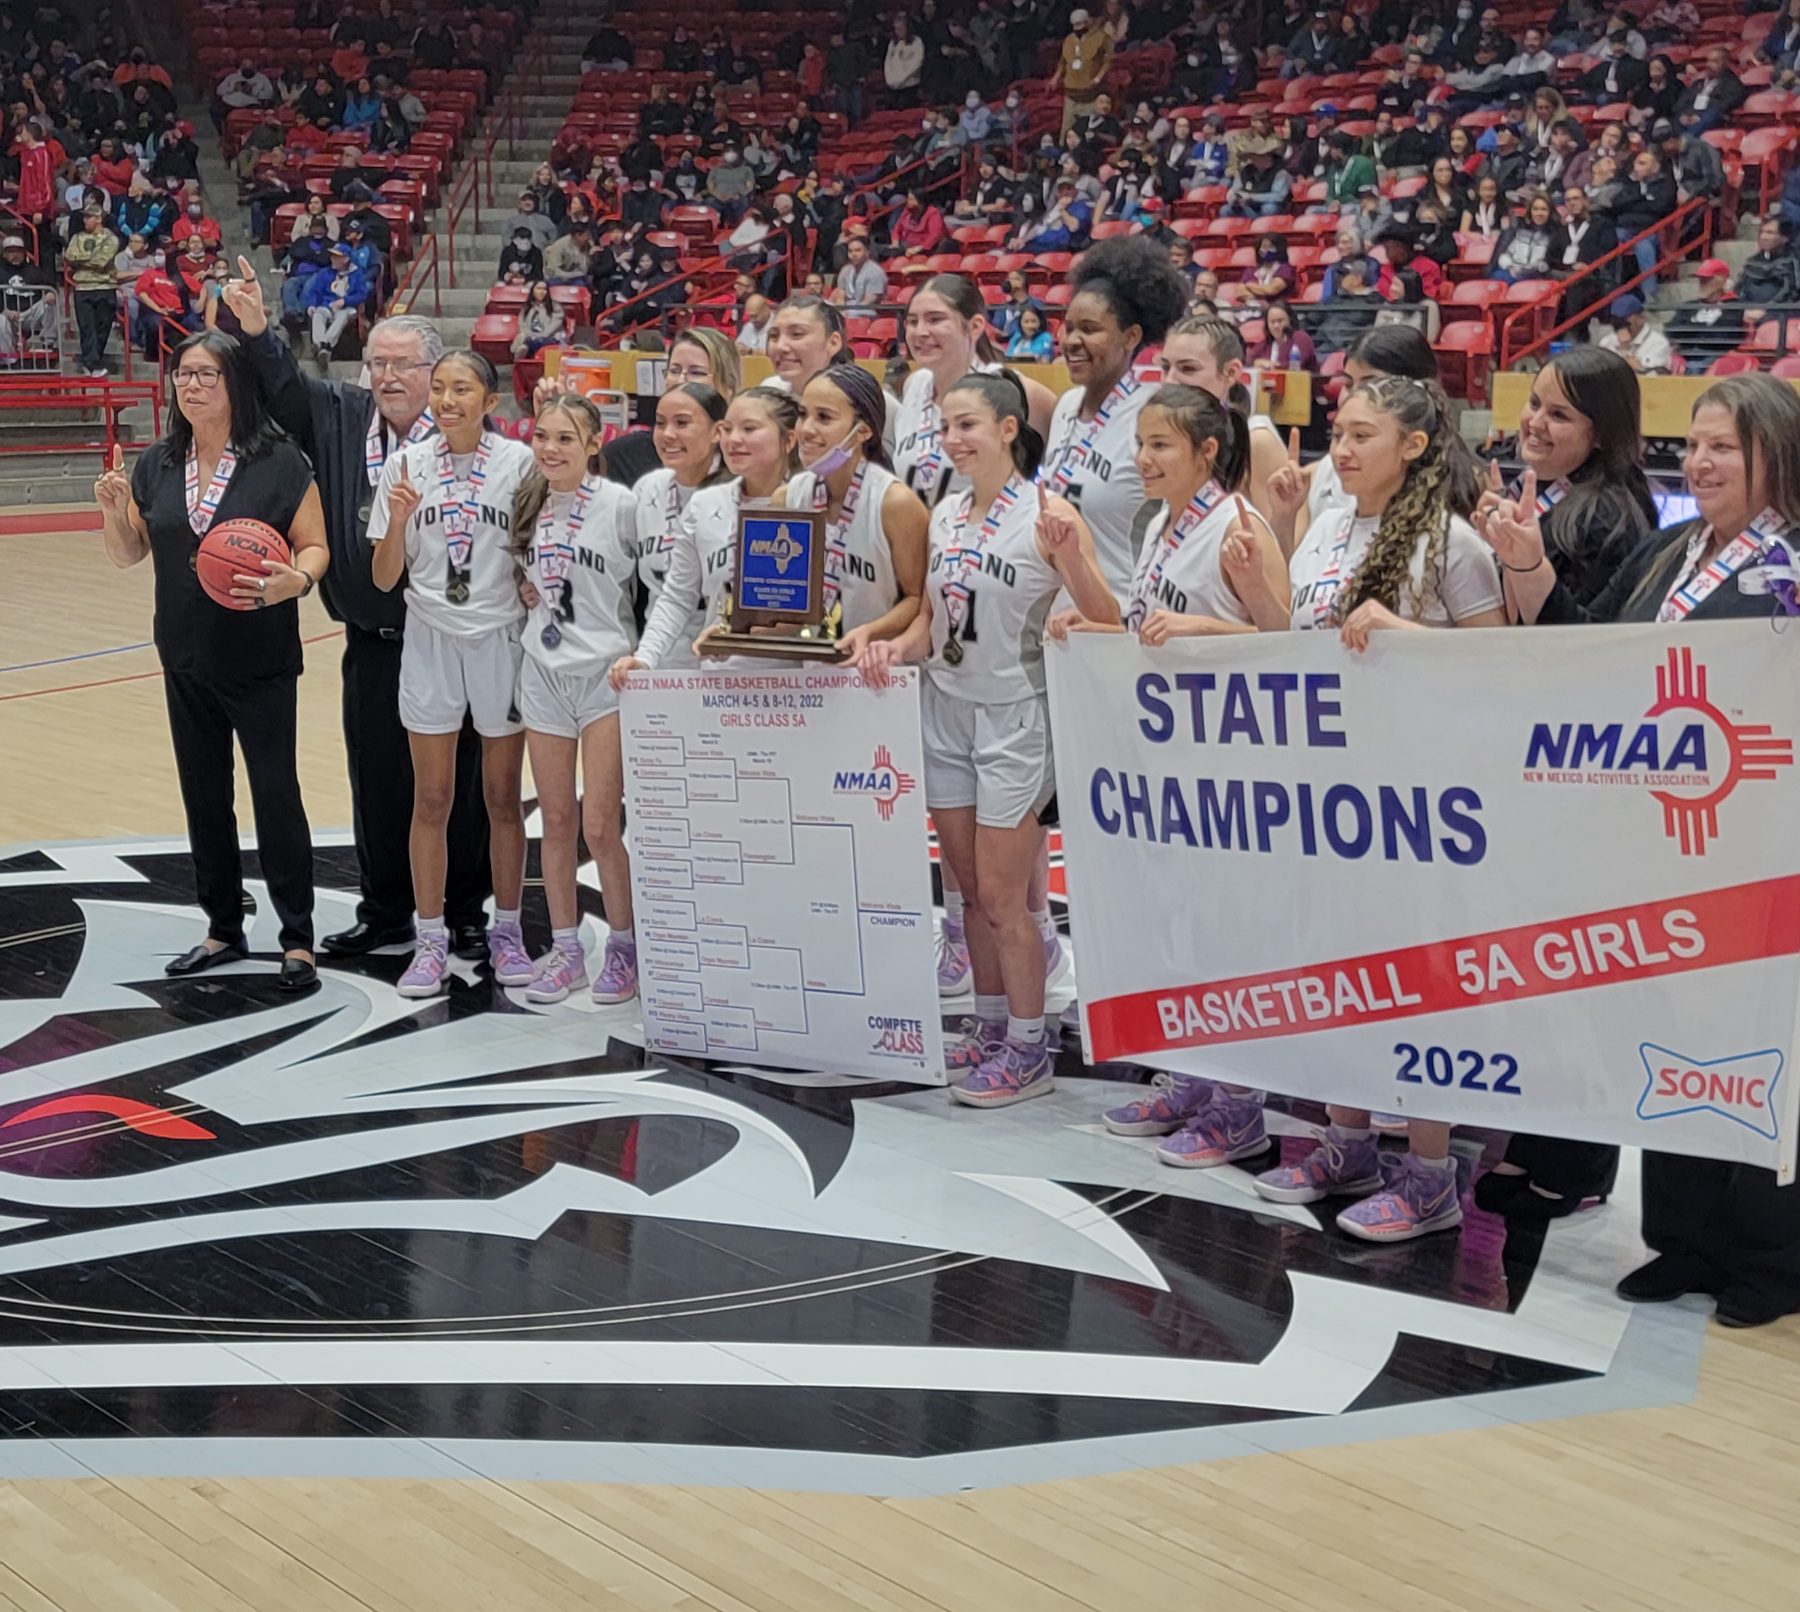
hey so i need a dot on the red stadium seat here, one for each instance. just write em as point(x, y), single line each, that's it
point(1465, 353)
point(492, 336)
point(1470, 300)
point(1733, 364)
point(1786, 369)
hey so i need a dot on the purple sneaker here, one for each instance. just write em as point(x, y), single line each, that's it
point(1336, 1168)
point(952, 958)
point(559, 972)
point(1227, 1129)
point(617, 980)
point(1014, 1071)
point(507, 956)
point(424, 975)
point(972, 1043)
point(1415, 1198)
point(1169, 1103)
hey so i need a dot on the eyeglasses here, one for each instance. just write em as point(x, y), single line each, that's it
point(395, 366)
point(204, 379)
point(682, 373)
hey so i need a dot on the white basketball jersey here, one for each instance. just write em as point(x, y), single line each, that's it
point(661, 502)
point(993, 583)
point(1179, 567)
point(1097, 462)
point(582, 560)
point(857, 557)
point(1325, 493)
point(467, 507)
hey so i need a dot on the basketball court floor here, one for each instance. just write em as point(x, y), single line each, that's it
point(359, 1303)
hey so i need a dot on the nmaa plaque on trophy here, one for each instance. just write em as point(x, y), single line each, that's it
point(776, 604)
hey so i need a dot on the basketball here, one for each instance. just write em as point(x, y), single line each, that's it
point(234, 548)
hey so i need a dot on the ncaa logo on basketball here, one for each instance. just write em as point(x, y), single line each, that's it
point(882, 782)
point(1684, 750)
point(1740, 1088)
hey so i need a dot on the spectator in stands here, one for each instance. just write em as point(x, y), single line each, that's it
point(314, 211)
point(1005, 316)
point(552, 200)
point(27, 302)
point(135, 259)
point(1081, 69)
point(1351, 249)
point(1532, 66)
point(322, 101)
point(730, 183)
point(540, 323)
point(1475, 85)
point(1579, 239)
point(194, 221)
point(1402, 87)
point(1271, 278)
point(1713, 96)
point(974, 123)
point(332, 299)
point(1065, 225)
point(35, 199)
point(1524, 250)
point(112, 168)
point(1345, 316)
point(1410, 275)
point(1314, 49)
point(305, 136)
point(918, 228)
point(1644, 201)
point(1618, 73)
point(1487, 214)
point(753, 325)
point(1770, 274)
point(1692, 163)
point(366, 254)
point(904, 64)
point(527, 217)
point(1445, 186)
point(1030, 341)
point(163, 305)
point(568, 260)
point(308, 253)
point(1347, 171)
point(1567, 163)
point(1712, 324)
point(1507, 165)
point(137, 68)
point(1262, 188)
point(1630, 333)
point(91, 253)
point(245, 88)
point(521, 260)
point(391, 131)
point(862, 282)
point(143, 212)
point(362, 106)
point(1283, 345)
point(1657, 96)
point(607, 51)
point(433, 45)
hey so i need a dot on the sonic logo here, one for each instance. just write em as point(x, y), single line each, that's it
point(1685, 751)
point(1740, 1088)
point(882, 782)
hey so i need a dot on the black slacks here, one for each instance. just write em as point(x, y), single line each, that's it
point(1731, 1217)
point(204, 716)
point(381, 795)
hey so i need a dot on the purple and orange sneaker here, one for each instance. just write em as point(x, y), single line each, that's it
point(1415, 1198)
point(424, 975)
point(972, 1043)
point(1014, 1071)
point(617, 980)
point(559, 971)
point(511, 963)
point(1169, 1103)
point(1338, 1167)
point(1227, 1129)
point(952, 958)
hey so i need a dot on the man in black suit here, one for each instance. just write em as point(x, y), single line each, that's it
point(1713, 96)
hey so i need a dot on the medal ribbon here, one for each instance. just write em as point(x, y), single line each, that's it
point(375, 455)
point(459, 503)
point(1325, 598)
point(556, 559)
point(1548, 499)
point(1071, 460)
point(1175, 533)
point(1688, 595)
point(200, 510)
point(967, 557)
point(837, 532)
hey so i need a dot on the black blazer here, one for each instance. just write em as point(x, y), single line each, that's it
point(1622, 600)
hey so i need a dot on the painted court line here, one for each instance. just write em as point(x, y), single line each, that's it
point(108, 682)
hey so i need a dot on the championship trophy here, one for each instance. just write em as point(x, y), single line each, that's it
point(776, 606)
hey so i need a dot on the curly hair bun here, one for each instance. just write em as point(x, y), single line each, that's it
point(1135, 278)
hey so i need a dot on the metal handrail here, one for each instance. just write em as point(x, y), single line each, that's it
point(426, 259)
point(463, 198)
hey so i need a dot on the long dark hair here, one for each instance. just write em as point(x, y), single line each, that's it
point(253, 432)
point(1404, 350)
point(960, 295)
point(1608, 502)
point(863, 393)
point(1201, 417)
point(1005, 395)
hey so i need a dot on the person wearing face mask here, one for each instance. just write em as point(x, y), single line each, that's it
point(974, 124)
point(349, 432)
point(1081, 68)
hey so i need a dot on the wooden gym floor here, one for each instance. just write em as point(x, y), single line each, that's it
point(1688, 1501)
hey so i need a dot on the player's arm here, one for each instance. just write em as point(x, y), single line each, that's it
point(1065, 541)
point(906, 524)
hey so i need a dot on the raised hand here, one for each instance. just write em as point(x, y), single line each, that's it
point(1288, 482)
point(1513, 530)
point(243, 296)
point(1057, 534)
point(112, 489)
point(1492, 496)
point(404, 500)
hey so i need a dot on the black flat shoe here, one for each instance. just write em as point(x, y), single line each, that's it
point(360, 939)
point(1744, 1307)
point(298, 975)
point(1666, 1277)
point(200, 959)
point(469, 942)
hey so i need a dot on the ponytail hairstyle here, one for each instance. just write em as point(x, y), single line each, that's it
point(1224, 343)
point(533, 490)
point(863, 393)
point(481, 369)
point(1005, 395)
point(1202, 418)
point(714, 403)
point(829, 316)
point(784, 409)
point(1419, 513)
point(958, 293)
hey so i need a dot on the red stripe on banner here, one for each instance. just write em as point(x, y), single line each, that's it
point(1740, 924)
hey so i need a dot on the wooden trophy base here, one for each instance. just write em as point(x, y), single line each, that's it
point(770, 646)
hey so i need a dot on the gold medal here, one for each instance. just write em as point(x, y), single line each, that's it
point(953, 651)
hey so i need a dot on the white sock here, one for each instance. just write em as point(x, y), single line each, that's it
point(429, 926)
point(1046, 925)
point(953, 906)
point(1029, 1031)
point(1433, 1164)
point(506, 918)
point(623, 937)
point(568, 939)
point(991, 1009)
point(1353, 1133)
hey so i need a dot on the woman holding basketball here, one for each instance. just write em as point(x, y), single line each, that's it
point(442, 518)
point(230, 669)
point(573, 533)
point(688, 418)
point(1000, 554)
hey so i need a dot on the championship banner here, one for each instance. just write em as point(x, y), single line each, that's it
point(779, 870)
point(1543, 880)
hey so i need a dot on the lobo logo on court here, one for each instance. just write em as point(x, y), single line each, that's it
point(1740, 1088)
point(1684, 750)
point(883, 782)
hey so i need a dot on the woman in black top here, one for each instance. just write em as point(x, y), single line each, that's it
point(228, 673)
point(1717, 1227)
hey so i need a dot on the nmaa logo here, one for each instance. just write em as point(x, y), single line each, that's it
point(883, 782)
point(1740, 1088)
point(1684, 750)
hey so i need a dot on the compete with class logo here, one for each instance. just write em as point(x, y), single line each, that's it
point(1740, 1088)
point(882, 782)
point(1684, 750)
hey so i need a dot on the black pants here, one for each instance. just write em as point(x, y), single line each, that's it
point(203, 718)
point(381, 795)
point(1731, 1217)
point(94, 315)
point(1570, 1169)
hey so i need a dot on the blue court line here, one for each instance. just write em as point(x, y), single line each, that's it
point(64, 660)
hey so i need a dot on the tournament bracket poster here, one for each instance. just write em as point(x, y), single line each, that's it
point(1541, 880)
point(780, 870)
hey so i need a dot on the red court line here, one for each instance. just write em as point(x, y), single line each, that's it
point(28, 525)
point(131, 677)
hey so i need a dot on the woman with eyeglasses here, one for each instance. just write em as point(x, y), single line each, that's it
point(705, 357)
point(228, 674)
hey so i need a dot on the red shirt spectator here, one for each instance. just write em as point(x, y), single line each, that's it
point(918, 228)
point(306, 136)
point(113, 174)
point(37, 175)
point(194, 221)
point(139, 69)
